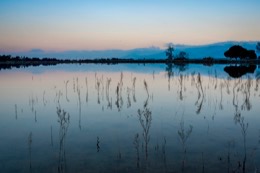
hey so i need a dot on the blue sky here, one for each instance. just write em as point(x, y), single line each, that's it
point(124, 24)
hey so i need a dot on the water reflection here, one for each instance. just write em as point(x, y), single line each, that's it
point(238, 71)
point(124, 121)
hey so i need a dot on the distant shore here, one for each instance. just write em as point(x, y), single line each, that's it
point(7, 62)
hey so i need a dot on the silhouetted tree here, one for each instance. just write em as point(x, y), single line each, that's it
point(4, 58)
point(251, 54)
point(235, 52)
point(240, 52)
point(169, 52)
point(182, 55)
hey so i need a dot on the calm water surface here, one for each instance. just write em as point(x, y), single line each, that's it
point(129, 118)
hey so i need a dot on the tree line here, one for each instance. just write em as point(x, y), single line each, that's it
point(234, 52)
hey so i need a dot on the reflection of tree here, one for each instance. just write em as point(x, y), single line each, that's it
point(184, 135)
point(238, 71)
point(169, 73)
point(63, 120)
point(181, 85)
point(181, 66)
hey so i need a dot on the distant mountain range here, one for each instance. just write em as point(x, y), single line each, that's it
point(215, 50)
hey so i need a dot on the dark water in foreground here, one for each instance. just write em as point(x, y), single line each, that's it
point(129, 118)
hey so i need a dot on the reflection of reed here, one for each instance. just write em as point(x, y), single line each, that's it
point(164, 154)
point(63, 120)
point(128, 97)
point(43, 99)
point(235, 95)
point(136, 146)
point(86, 80)
point(98, 82)
point(119, 99)
point(133, 89)
point(109, 100)
point(181, 85)
point(58, 96)
point(79, 103)
point(30, 149)
point(244, 128)
point(246, 92)
point(74, 86)
point(98, 144)
point(184, 135)
point(15, 111)
point(201, 96)
point(51, 137)
point(146, 87)
point(32, 103)
point(66, 90)
point(35, 117)
point(148, 95)
point(145, 119)
point(221, 96)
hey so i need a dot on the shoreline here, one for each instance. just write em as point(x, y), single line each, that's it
point(26, 62)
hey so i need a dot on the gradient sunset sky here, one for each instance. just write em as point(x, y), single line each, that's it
point(58, 25)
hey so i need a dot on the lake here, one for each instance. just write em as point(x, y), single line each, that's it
point(129, 118)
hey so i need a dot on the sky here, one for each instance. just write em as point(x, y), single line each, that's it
point(62, 25)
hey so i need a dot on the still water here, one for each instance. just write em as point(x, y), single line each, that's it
point(129, 118)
